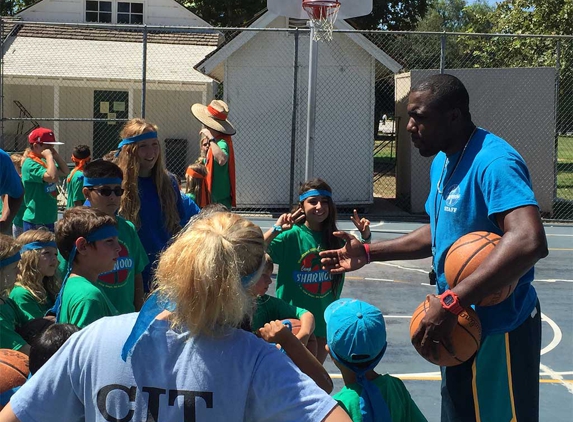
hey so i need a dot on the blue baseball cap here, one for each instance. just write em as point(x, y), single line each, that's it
point(355, 331)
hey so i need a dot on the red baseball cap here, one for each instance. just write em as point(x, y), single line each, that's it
point(43, 135)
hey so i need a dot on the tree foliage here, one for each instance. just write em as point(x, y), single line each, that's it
point(11, 7)
point(393, 15)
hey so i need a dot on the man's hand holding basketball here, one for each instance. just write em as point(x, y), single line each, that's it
point(435, 329)
point(350, 257)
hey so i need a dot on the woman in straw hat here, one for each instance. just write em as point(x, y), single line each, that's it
point(220, 159)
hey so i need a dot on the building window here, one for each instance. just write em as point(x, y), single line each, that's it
point(129, 13)
point(98, 11)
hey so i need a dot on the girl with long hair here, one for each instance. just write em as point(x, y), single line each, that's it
point(151, 199)
point(37, 283)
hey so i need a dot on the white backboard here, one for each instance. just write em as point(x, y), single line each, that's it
point(293, 8)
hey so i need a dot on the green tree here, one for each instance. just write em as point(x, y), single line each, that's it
point(225, 12)
point(393, 15)
point(11, 7)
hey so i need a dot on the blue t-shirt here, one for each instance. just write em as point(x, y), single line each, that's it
point(10, 182)
point(189, 206)
point(153, 233)
point(491, 178)
point(169, 377)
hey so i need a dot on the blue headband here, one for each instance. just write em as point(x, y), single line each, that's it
point(104, 232)
point(137, 138)
point(32, 246)
point(98, 181)
point(314, 192)
point(11, 259)
point(246, 280)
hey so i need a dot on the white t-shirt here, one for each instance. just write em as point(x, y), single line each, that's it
point(236, 377)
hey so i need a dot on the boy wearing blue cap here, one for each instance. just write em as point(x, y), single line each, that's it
point(356, 341)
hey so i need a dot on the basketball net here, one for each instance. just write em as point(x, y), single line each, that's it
point(322, 14)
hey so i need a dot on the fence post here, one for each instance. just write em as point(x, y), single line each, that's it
point(556, 114)
point(294, 113)
point(443, 52)
point(144, 72)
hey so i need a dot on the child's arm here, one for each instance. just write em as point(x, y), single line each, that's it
point(284, 223)
point(306, 327)
point(277, 332)
point(63, 169)
point(218, 154)
point(363, 226)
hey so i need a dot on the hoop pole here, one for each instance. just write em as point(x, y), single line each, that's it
point(311, 105)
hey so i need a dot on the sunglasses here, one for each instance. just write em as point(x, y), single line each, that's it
point(109, 191)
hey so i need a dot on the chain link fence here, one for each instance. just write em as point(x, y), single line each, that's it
point(84, 81)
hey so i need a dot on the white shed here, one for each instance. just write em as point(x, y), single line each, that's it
point(70, 71)
point(257, 70)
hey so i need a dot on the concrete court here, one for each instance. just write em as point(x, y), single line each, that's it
point(398, 287)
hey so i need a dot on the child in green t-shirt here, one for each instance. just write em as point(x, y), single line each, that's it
point(37, 283)
point(356, 341)
point(81, 156)
point(124, 284)
point(294, 243)
point(11, 317)
point(87, 239)
point(269, 308)
point(41, 171)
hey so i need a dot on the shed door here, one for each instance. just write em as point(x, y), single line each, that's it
point(108, 105)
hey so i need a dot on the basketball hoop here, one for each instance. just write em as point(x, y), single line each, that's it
point(322, 14)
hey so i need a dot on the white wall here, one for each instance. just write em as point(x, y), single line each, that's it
point(259, 90)
point(156, 12)
point(515, 104)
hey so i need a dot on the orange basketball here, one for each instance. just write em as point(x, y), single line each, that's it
point(466, 254)
point(13, 369)
point(295, 325)
point(466, 336)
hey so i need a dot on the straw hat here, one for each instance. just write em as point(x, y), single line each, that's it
point(214, 116)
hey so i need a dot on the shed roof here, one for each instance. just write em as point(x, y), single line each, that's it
point(110, 60)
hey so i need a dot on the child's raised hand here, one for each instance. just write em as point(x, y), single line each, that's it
point(362, 224)
point(286, 221)
point(276, 332)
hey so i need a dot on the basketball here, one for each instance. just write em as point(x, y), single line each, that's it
point(295, 323)
point(466, 336)
point(13, 369)
point(466, 254)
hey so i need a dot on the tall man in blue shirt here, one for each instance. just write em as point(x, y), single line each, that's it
point(478, 183)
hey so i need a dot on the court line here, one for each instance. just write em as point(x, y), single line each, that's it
point(558, 378)
point(557, 334)
point(401, 267)
point(421, 377)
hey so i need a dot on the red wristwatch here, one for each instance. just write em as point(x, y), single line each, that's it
point(451, 302)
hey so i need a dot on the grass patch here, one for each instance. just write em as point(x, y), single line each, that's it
point(565, 149)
